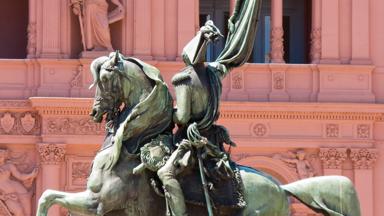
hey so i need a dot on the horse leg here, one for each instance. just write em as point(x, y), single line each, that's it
point(82, 202)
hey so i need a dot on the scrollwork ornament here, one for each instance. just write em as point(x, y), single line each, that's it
point(364, 158)
point(51, 153)
point(333, 157)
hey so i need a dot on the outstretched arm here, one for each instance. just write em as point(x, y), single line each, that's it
point(20, 175)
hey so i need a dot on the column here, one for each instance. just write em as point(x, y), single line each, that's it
point(332, 159)
point(128, 28)
point(345, 31)
point(330, 44)
point(32, 40)
point(379, 165)
point(51, 158)
point(360, 32)
point(277, 32)
point(188, 23)
point(51, 34)
point(377, 51)
point(158, 29)
point(363, 161)
point(316, 32)
point(142, 29)
point(232, 4)
point(171, 32)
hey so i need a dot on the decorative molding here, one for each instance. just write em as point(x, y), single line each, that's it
point(51, 153)
point(332, 131)
point(277, 45)
point(20, 123)
point(364, 158)
point(7, 104)
point(364, 131)
point(354, 116)
point(332, 158)
point(72, 126)
point(315, 45)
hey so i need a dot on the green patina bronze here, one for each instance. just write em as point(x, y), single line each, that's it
point(145, 169)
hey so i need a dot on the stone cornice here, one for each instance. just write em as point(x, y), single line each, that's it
point(14, 104)
point(229, 109)
point(62, 106)
point(302, 111)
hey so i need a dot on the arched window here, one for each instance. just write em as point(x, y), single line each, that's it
point(13, 25)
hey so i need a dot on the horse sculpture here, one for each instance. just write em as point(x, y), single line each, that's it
point(134, 97)
point(139, 113)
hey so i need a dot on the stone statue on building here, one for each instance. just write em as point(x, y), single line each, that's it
point(13, 187)
point(146, 168)
point(298, 161)
point(95, 18)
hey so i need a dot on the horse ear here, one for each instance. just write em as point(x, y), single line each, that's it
point(116, 57)
point(95, 69)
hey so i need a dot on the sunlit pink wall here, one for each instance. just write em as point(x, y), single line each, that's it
point(334, 106)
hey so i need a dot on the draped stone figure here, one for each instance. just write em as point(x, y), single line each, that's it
point(94, 19)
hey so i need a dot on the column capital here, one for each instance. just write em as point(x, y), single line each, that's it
point(51, 154)
point(333, 158)
point(364, 158)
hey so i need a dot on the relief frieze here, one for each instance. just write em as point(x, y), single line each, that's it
point(72, 126)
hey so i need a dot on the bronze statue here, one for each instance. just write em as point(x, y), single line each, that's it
point(141, 154)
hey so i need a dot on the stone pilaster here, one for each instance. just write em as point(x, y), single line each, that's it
point(51, 158)
point(363, 161)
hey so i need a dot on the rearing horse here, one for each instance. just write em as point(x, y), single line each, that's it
point(142, 110)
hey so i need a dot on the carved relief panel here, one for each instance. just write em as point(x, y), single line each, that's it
point(78, 170)
point(16, 123)
point(16, 183)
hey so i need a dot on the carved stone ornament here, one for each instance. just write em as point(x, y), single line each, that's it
point(17, 123)
point(51, 153)
point(237, 81)
point(7, 122)
point(277, 45)
point(80, 172)
point(31, 47)
point(28, 122)
point(259, 130)
point(4, 210)
point(278, 81)
point(316, 45)
point(333, 158)
point(364, 158)
point(77, 77)
point(364, 131)
point(332, 130)
point(73, 126)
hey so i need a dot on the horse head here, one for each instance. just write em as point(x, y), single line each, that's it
point(107, 74)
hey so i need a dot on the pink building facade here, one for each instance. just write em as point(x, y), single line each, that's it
point(313, 86)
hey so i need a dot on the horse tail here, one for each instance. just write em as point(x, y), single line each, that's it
point(332, 195)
